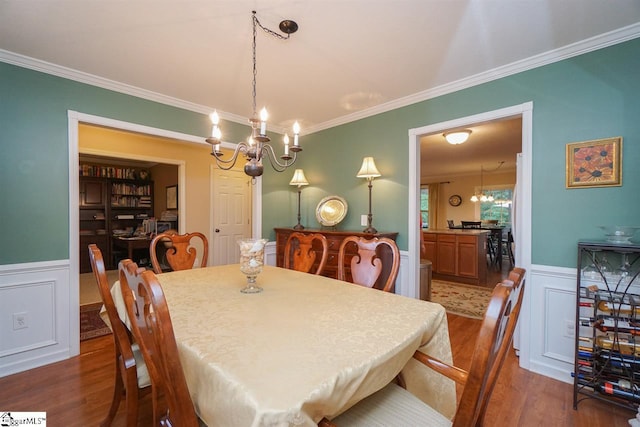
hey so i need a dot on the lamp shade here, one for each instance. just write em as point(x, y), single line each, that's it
point(298, 178)
point(457, 137)
point(368, 169)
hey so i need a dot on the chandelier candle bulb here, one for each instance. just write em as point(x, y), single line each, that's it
point(286, 144)
point(263, 121)
point(296, 132)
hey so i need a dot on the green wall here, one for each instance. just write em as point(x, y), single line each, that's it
point(34, 155)
point(592, 96)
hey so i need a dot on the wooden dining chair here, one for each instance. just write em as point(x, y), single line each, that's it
point(516, 278)
point(132, 378)
point(180, 254)
point(471, 224)
point(393, 405)
point(300, 255)
point(151, 326)
point(367, 263)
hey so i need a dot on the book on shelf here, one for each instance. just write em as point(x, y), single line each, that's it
point(98, 171)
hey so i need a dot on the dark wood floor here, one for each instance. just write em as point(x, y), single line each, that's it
point(76, 392)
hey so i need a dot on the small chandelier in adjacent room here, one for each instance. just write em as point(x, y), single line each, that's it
point(257, 146)
point(482, 197)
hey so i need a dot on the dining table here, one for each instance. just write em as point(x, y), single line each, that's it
point(304, 348)
point(131, 243)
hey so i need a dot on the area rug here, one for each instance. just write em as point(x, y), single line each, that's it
point(463, 300)
point(91, 325)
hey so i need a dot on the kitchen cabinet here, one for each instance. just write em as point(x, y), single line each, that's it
point(457, 255)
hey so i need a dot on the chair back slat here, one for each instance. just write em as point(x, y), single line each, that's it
point(178, 251)
point(301, 255)
point(367, 265)
point(120, 331)
point(152, 328)
point(493, 343)
point(127, 367)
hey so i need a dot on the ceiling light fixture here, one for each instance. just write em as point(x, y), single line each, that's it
point(257, 147)
point(457, 137)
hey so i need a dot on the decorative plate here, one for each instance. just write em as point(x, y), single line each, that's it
point(455, 200)
point(331, 210)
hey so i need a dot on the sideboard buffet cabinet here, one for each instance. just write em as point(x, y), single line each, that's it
point(607, 356)
point(334, 240)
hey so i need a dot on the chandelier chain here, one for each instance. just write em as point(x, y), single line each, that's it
point(255, 71)
point(268, 31)
point(256, 23)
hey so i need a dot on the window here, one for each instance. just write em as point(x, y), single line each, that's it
point(500, 208)
point(424, 206)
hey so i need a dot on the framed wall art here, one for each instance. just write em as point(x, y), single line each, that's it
point(596, 163)
point(172, 197)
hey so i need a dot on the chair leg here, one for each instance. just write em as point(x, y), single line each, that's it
point(131, 398)
point(512, 259)
point(118, 390)
point(491, 249)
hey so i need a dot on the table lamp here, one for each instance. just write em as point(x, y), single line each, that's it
point(369, 171)
point(298, 179)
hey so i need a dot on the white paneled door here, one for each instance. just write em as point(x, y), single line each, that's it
point(231, 213)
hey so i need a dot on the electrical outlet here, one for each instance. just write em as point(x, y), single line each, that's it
point(20, 321)
point(569, 328)
point(363, 220)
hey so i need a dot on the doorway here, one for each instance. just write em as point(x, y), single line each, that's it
point(522, 200)
point(230, 213)
point(142, 196)
point(187, 141)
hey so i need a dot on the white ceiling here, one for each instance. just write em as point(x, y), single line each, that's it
point(349, 59)
point(488, 145)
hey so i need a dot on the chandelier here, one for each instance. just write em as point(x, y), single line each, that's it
point(484, 197)
point(257, 145)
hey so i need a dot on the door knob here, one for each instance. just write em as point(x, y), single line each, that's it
point(217, 230)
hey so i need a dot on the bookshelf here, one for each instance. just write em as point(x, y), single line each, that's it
point(112, 201)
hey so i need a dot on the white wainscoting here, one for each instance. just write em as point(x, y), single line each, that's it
point(551, 293)
point(42, 291)
point(35, 316)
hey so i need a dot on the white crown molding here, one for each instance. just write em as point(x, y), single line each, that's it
point(588, 45)
point(584, 46)
point(93, 80)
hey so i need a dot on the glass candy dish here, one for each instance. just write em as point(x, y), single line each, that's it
point(619, 233)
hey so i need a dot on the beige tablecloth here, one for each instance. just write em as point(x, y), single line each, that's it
point(304, 348)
